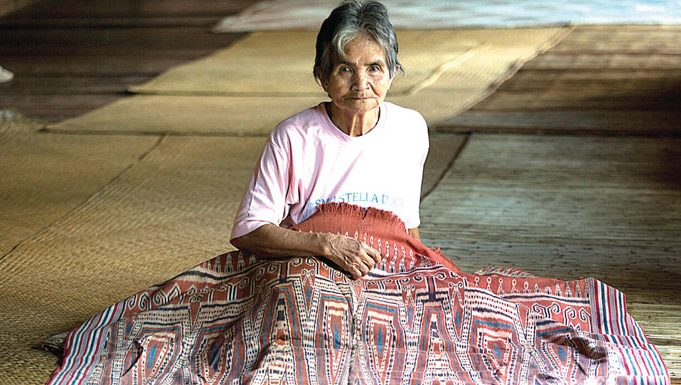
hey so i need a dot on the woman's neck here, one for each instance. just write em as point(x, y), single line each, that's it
point(353, 124)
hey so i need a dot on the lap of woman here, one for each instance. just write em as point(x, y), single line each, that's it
point(414, 319)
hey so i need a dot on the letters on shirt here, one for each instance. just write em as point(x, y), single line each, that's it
point(362, 198)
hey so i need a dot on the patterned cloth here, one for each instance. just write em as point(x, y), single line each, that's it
point(415, 319)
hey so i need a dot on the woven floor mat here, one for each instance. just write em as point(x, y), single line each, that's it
point(171, 210)
point(565, 206)
point(615, 122)
point(456, 89)
point(661, 324)
point(13, 123)
point(280, 64)
point(604, 80)
point(615, 61)
point(639, 39)
point(570, 207)
point(46, 176)
point(596, 89)
point(634, 82)
point(443, 150)
point(626, 100)
point(214, 115)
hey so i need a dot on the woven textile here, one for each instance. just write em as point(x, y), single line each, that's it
point(415, 319)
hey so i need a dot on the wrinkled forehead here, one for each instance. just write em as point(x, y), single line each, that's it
point(362, 48)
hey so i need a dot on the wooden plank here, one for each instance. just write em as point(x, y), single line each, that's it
point(603, 80)
point(117, 22)
point(444, 148)
point(588, 90)
point(44, 47)
point(78, 9)
point(129, 65)
point(73, 41)
point(586, 61)
point(9, 6)
point(572, 122)
point(51, 175)
point(72, 84)
point(565, 206)
point(206, 177)
point(580, 101)
point(593, 80)
point(66, 71)
point(622, 39)
point(56, 107)
point(661, 324)
point(631, 27)
point(566, 260)
point(659, 321)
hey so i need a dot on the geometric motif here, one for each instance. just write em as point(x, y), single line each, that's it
point(414, 319)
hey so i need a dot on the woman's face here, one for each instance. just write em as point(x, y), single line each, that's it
point(359, 80)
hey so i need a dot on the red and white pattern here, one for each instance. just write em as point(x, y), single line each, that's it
point(241, 319)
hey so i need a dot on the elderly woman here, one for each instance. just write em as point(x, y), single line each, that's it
point(246, 317)
point(355, 148)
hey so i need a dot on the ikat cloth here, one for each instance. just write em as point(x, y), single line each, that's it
point(241, 318)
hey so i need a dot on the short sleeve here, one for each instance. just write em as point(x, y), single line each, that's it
point(420, 146)
point(264, 201)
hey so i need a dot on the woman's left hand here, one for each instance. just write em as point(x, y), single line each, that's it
point(351, 255)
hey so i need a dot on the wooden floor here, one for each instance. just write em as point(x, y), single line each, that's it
point(571, 168)
point(72, 56)
point(612, 80)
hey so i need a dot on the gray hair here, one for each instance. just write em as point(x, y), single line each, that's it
point(347, 21)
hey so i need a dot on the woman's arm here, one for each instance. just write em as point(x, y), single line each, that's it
point(350, 254)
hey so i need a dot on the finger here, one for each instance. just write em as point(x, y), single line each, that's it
point(363, 268)
point(351, 267)
point(355, 272)
point(373, 253)
point(367, 259)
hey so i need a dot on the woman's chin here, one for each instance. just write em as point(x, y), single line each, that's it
point(360, 106)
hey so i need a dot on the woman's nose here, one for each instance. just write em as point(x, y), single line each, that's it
point(360, 81)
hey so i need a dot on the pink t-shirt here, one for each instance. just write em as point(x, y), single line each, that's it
point(308, 161)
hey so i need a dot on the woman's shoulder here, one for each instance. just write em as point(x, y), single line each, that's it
point(303, 117)
point(297, 125)
point(408, 123)
point(401, 113)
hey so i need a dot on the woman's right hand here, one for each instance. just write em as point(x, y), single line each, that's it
point(351, 255)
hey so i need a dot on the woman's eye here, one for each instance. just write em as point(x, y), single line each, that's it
point(344, 69)
point(374, 68)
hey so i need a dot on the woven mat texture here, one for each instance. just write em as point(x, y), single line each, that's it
point(599, 80)
point(567, 207)
point(169, 211)
point(441, 154)
point(44, 177)
point(615, 61)
point(570, 122)
point(640, 39)
point(13, 122)
point(280, 63)
point(215, 115)
point(460, 84)
point(172, 208)
point(570, 207)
